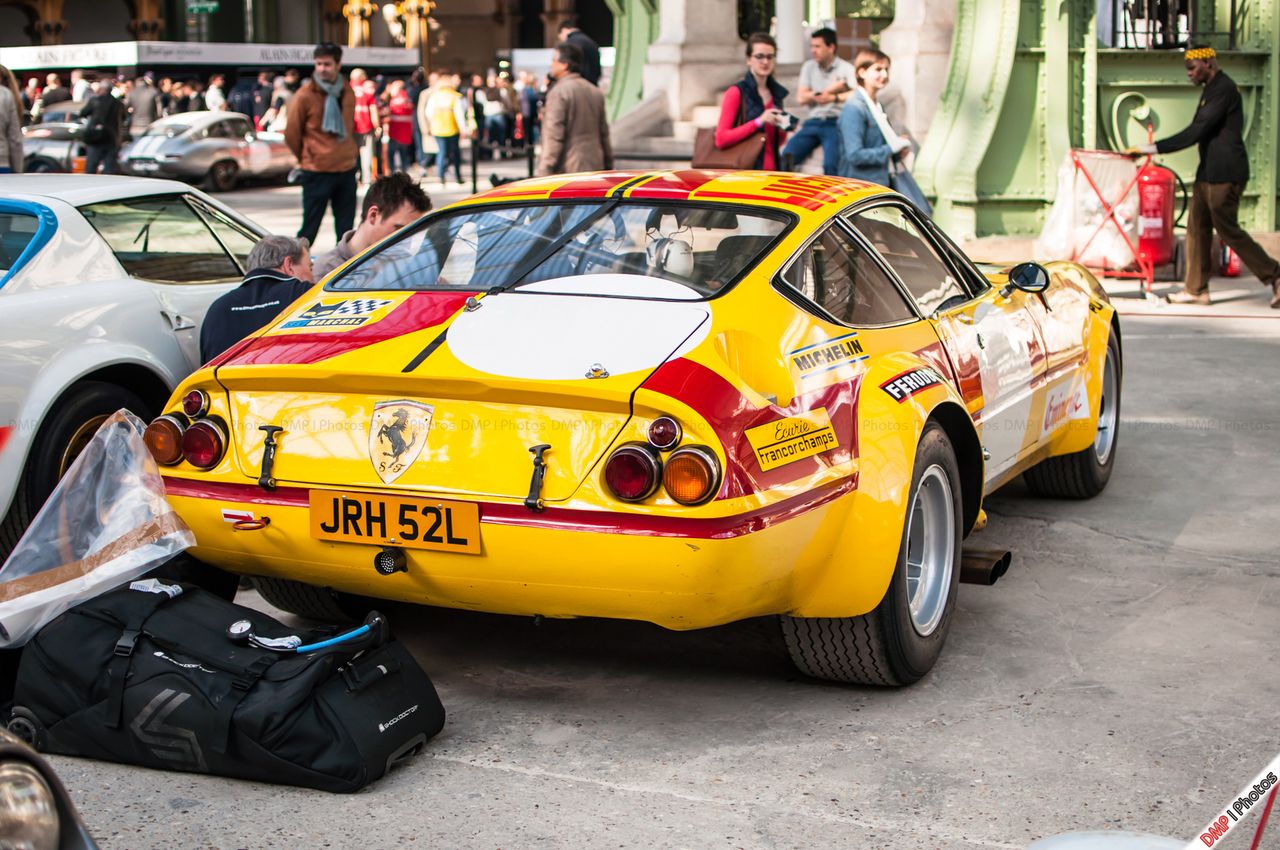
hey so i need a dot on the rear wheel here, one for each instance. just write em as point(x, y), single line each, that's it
point(64, 433)
point(898, 642)
point(314, 603)
point(222, 176)
point(1085, 473)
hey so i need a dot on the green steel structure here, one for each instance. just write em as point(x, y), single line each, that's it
point(635, 27)
point(1028, 81)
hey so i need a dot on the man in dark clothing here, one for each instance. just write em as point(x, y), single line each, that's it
point(590, 50)
point(1220, 180)
point(54, 91)
point(281, 274)
point(103, 126)
point(144, 106)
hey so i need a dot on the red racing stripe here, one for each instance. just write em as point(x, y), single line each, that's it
point(562, 519)
point(730, 414)
point(675, 186)
point(419, 311)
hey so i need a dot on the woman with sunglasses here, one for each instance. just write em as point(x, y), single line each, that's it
point(754, 105)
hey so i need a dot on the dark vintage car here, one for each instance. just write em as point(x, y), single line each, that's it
point(35, 810)
point(218, 148)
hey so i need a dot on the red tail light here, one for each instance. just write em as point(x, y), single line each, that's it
point(195, 403)
point(691, 475)
point(163, 438)
point(204, 444)
point(664, 433)
point(633, 472)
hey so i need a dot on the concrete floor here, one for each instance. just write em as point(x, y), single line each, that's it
point(1123, 675)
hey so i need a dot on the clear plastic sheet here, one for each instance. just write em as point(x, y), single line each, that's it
point(1078, 211)
point(106, 522)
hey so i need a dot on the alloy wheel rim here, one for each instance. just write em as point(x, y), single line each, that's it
point(1105, 439)
point(930, 550)
point(78, 441)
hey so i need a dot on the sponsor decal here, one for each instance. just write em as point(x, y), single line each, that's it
point(397, 435)
point(1062, 405)
point(793, 438)
point(382, 727)
point(902, 387)
point(1239, 809)
point(827, 355)
point(349, 313)
point(169, 743)
point(229, 515)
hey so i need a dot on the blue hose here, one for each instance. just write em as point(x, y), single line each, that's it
point(351, 635)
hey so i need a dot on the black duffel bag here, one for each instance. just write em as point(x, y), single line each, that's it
point(142, 676)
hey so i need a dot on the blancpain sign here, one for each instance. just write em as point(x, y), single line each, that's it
point(145, 54)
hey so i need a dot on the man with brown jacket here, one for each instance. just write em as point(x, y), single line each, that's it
point(575, 133)
point(321, 133)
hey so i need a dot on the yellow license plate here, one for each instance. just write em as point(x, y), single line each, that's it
point(396, 521)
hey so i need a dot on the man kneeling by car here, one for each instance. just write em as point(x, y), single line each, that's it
point(391, 203)
point(281, 274)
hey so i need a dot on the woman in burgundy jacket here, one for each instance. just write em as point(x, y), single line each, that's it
point(754, 104)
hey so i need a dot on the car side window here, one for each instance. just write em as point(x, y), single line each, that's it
point(238, 241)
point(839, 275)
point(217, 130)
point(902, 244)
point(161, 238)
point(238, 128)
point(16, 232)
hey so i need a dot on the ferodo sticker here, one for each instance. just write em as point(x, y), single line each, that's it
point(339, 315)
point(794, 438)
point(827, 355)
point(904, 386)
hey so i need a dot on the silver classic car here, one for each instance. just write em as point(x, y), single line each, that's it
point(219, 148)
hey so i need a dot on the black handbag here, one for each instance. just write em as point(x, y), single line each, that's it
point(154, 674)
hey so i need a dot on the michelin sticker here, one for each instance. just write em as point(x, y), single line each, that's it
point(350, 313)
point(791, 439)
point(827, 355)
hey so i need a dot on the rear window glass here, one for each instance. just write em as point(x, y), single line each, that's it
point(16, 232)
point(167, 130)
point(637, 250)
point(162, 239)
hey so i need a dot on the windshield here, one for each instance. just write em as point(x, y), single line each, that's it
point(637, 250)
point(167, 130)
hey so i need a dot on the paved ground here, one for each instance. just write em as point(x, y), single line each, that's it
point(1123, 675)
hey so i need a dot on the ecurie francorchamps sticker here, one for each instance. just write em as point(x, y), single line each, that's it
point(794, 438)
point(397, 436)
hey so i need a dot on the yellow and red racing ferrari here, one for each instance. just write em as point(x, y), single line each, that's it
point(685, 397)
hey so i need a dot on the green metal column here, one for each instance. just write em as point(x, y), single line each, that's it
point(635, 27)
point(1029, 81)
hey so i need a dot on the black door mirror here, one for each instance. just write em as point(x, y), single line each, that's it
point(1029, 277)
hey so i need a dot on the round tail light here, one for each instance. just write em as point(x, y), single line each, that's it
point(664, 433)
point(633, 472)
point(163, 439)
point(203, 444)
point(691, 475)
point(195, 403)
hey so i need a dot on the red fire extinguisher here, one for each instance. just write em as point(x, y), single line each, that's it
point(1155, 214)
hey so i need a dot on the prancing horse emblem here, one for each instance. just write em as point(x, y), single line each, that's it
point(397, 435)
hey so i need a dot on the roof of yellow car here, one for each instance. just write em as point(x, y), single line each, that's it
point(810, 192)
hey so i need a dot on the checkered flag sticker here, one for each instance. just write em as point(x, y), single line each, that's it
point(359, 306)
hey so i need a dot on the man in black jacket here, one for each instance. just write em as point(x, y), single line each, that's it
point(103, 125)
point(590, 50)
point(280, 274)
point(1220, 180)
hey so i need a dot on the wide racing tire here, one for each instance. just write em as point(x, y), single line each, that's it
point(1084, 474)
point(900, 640)
point(313, 603)
point(66, 430)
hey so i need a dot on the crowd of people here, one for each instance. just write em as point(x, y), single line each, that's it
point(399, 122)
point(861, 131)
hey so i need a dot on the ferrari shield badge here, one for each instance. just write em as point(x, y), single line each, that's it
point(397, 435)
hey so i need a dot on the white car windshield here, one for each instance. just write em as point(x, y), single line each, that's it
point(615, 248)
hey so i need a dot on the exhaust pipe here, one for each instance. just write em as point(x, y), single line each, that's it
point(983, 566)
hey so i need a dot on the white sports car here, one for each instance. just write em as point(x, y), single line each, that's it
point(104, 282)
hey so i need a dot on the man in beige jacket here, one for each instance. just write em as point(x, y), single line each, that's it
point(575, 133)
